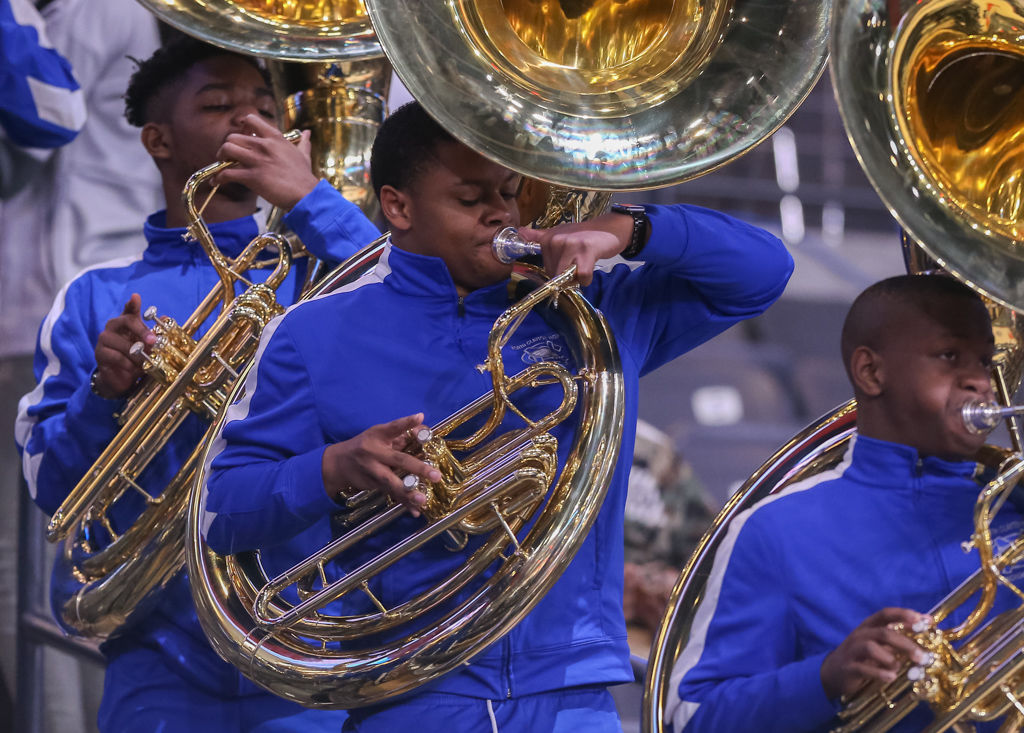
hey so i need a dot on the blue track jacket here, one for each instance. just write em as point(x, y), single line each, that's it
point(63, 427)
point(799, 571)
point(400, 340)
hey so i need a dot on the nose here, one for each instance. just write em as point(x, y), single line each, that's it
point(239, 113)
point(977, 379)
point(499, 211)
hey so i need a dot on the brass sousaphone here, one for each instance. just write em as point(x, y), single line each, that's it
point(596, 94)
point(932, 97)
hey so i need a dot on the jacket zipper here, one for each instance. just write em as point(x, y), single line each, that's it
point(460, 322)
point(507, 643)
point(460, 310)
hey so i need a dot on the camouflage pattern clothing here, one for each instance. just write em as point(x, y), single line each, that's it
point(667, 507)
point(667, 512)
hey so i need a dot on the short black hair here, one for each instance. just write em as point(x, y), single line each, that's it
point(163, 69)
point(405, 145)
point(869, 321)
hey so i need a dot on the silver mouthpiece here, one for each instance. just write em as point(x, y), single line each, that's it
point(508, 246)
point(982, 417)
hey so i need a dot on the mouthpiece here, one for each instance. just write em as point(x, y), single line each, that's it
point(508, 246)
point(982, 417)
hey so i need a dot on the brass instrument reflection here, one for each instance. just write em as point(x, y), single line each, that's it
point(618, 54)
point(307, 12)
point(593, 34)
point(343, 105)
point(965, 115)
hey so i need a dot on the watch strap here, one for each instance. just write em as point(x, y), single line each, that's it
point(641, 227)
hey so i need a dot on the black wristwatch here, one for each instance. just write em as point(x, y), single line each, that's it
point(641, 226)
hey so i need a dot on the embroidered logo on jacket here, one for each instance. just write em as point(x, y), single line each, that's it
point(543, 348)
point(1002, 537)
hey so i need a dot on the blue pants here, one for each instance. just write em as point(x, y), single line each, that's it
point(141, 695)
point(567, 711)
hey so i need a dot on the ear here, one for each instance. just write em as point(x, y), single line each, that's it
point(396, 207)
point(867, 371)
point(156, 140)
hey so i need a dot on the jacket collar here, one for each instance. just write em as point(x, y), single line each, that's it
point(167, 246)
point(424, 276)
point(882, 463)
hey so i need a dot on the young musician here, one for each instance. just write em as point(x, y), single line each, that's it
point(399, 348)
point(809, 585)
point(188, 98)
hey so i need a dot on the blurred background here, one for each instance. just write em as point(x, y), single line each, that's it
point(730, 403)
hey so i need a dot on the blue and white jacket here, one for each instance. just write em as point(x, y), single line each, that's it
point(799, 571)
point(62, 427)
point(41, 104)
point(400, 340)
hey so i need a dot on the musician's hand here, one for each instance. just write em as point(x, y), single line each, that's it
point(875, 650)
point(374, 460)
point(268, 164)
point(117, 371)
point(581, 244)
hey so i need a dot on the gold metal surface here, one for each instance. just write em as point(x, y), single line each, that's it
point(932, 98)
point(497, 487)
point(343, 105)
point(545, 205)
point(98, 585)
point(288, 30)
point(610, 55)
point(606, 94)
point(962, 104)
point(593, 36)
point(315, 13)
